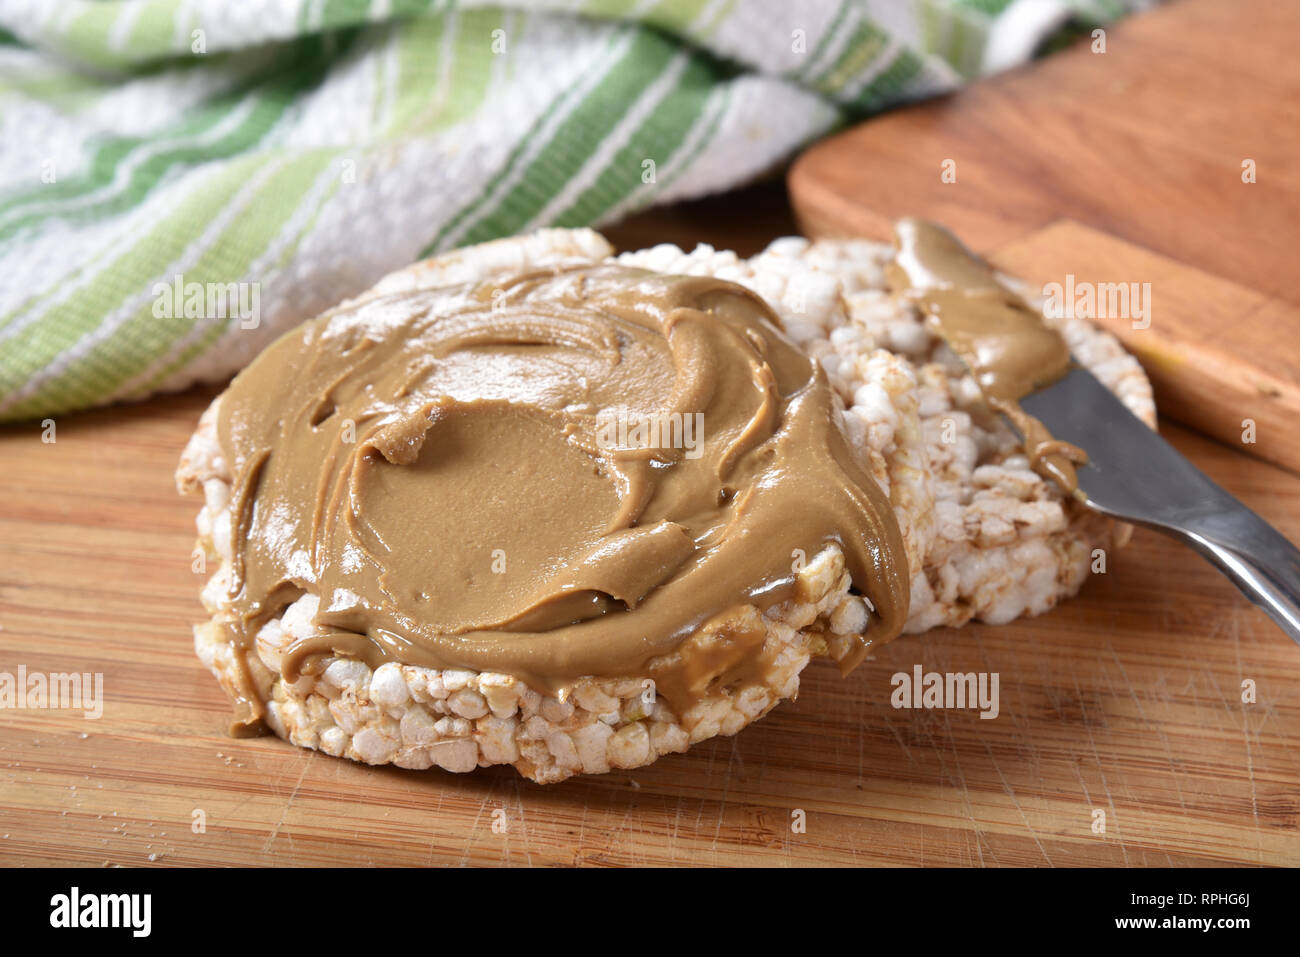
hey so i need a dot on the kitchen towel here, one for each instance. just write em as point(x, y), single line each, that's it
point(183, 180)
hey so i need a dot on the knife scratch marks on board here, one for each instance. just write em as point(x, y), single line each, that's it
point(677, 825)
point(708, 777)
point(1254, 795)
point(582, 829)
point(862, 733)
point(1236, 716)
point(473, 830)
point(1006, 786)
point(726, 788)
point(270, 840)
point(523, 824)
point(623, 826)
point(433, 841)
point(1245, 734)
point(881, 710)
point(939, 750)
point(965, 790)
point(1159, 726)
point(985, 843)
point(1083, 783)
point(941, 664)
point(981, 837)
point(1101, 770)
point(1160, 691)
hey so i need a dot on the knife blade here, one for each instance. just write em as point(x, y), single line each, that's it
point(1134, 475)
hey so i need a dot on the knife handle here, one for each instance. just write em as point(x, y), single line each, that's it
point(1255, 556)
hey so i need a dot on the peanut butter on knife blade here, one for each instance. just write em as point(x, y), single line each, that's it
point(1005, 343)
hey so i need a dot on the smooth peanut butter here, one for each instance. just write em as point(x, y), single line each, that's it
point(434, 465)
point(1004, 342)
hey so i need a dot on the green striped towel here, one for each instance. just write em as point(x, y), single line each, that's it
point(182, 180)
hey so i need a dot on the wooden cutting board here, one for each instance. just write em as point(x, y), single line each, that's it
point(1125, 700)
point(1123, 166)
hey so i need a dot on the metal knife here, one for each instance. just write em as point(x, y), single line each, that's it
point(1134, 475)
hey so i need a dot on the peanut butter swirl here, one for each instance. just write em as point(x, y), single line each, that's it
point(437, 467)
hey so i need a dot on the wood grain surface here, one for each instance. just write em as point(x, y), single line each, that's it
point(1190, 338)
point(1143, 143)
point(1126, 700)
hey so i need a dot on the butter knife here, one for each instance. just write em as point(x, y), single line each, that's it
point(1134, 475)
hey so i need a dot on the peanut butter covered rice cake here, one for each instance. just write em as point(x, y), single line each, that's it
point(534, 503)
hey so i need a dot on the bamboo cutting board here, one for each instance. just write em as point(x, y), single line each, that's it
point(1170, 159)
point(1126, 700)
point(1122, 738)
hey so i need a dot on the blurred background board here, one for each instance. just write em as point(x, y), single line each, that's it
point(1126, 700)
point(1123, 165)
